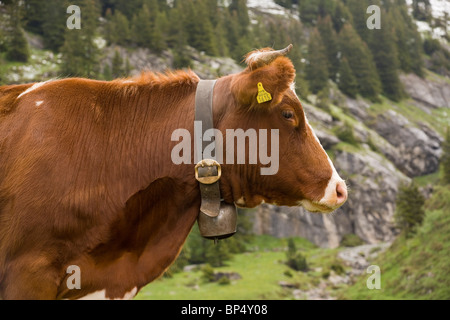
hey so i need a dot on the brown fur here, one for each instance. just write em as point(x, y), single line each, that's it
point(86, 177)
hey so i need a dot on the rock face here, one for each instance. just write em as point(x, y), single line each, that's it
point(418, 147)
point(433, 94)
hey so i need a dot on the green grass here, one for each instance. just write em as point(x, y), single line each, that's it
point(261, 269)
point(438, 119)
point(417, 267)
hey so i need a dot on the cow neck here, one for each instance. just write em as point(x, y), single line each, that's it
point(207, 170)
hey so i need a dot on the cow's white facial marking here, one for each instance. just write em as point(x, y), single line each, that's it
point(101, 295)
point(330, 200)
point(38, 103)
point(33, 87)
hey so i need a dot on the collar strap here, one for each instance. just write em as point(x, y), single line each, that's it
point(207, 171)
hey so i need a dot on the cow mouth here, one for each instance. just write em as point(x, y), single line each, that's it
point(313, 206)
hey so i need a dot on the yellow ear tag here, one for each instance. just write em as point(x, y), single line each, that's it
point(263, 95)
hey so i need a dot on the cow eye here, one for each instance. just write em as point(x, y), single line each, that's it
point(288, 114)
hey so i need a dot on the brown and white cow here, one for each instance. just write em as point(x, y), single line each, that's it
point(86, 177)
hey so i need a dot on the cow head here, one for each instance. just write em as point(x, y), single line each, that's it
point(304, 175)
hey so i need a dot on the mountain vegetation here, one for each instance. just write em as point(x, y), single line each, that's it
point(340, 47)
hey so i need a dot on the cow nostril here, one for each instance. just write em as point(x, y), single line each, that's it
point(341, 192)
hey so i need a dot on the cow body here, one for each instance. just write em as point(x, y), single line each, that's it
point(83, 182)
point(87, 180)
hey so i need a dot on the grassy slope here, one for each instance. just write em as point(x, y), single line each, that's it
point(261, 271)
point(418, 267)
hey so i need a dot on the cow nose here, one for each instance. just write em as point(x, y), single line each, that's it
point(341, 193)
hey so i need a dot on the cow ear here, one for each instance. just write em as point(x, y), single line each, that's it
point(268, 75)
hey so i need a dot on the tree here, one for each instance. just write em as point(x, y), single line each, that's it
point(54, 24)
point(308, 10)
point(17, 45)
point(422, 10)
point(358, 10)
point(240, 8)
point(409, 211)
point(79, 52)
point(361, 62)
point(118, 29)
point(445, 159)
point(341, 16)
point(142, 27)
point(408, 40)
point(329, 39)
point(346, 80)
point(117, 65)
point(158, 42)
point(384, 51)
point(316, 68)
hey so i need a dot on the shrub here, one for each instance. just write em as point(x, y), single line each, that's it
point(351, 240)
point(345, 133)
point(409, 211)
point(208, 273)
point(295, 260)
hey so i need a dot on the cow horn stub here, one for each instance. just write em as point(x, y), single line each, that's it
point(259, 58)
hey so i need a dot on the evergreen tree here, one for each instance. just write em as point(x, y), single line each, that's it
point(239, 7)
point(177, 38)
point(341, 16)
point(80, 53)
point(117, 65)
point(422, 10)
point(358, 10)
point(221, 38)
point(142, 27)
point(128, 7)
point(409, 211)
point(33, 15)
point(118, 29)
point(54, 24)
point(361, 62)
point(384, 51)
point(346, 80)
point(329, 39)
point(408, 40)
point(316, 68)
point(445, 158)
point(201, 34)
point(309, 11)
point(17, 46)
point(158, 42)
point(217, 254)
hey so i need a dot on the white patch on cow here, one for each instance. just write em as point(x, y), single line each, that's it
point(38, 103)
point(101, 295)
point(255, 56)
point(292, 86)
point(330, 191)
point(240, 202)
point(33, 87)
point(97, 295)
point(127, 81)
